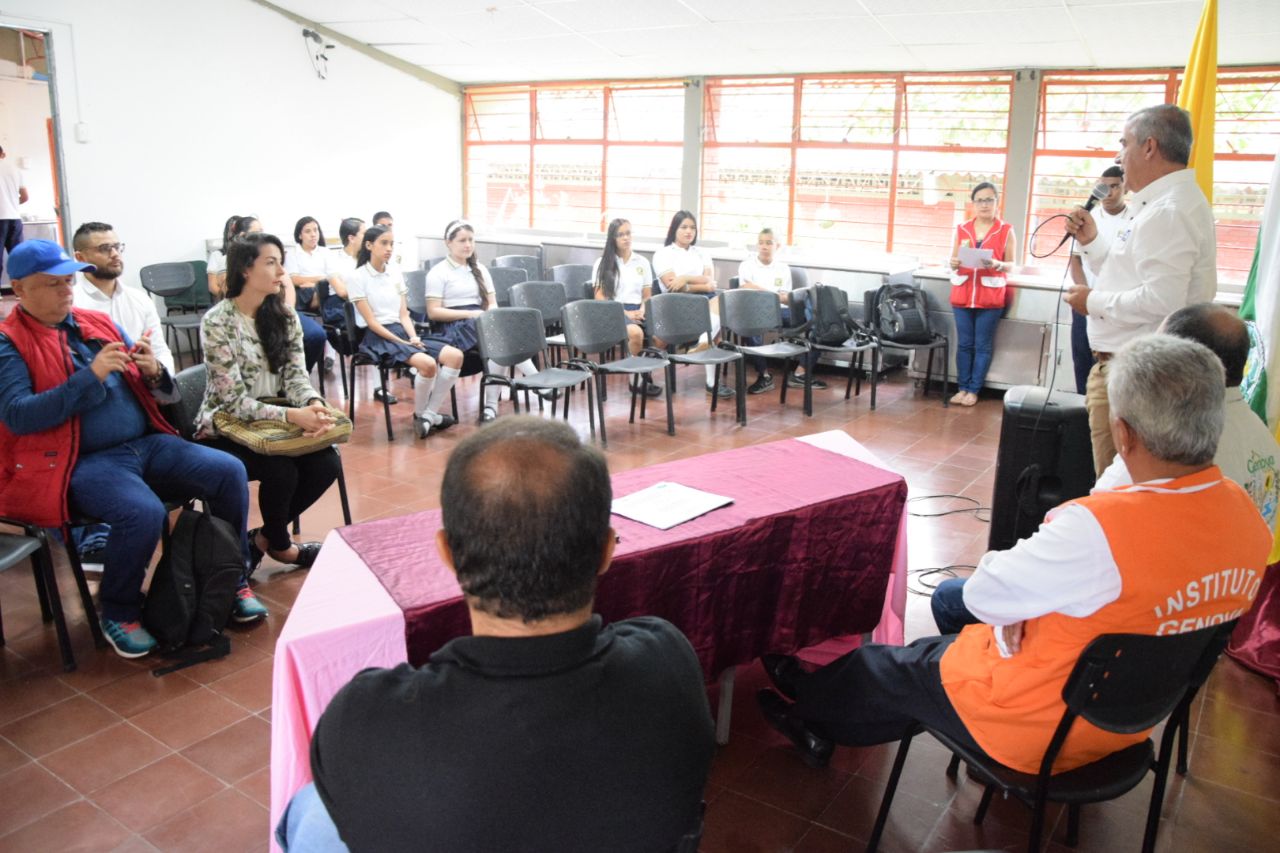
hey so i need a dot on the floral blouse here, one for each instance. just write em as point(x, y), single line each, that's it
point(237, 367)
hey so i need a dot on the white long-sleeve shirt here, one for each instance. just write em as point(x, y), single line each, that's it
point(132, 310)
point(1163, 258)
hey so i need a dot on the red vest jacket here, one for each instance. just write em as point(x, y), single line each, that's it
point(35, 469)
point(982, 288)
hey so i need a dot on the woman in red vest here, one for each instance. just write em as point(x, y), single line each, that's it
point(978, 299)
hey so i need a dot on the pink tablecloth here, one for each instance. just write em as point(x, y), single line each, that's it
point(348, 617)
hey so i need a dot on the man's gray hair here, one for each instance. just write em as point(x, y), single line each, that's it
point(1169, 126)
point(1170, 391)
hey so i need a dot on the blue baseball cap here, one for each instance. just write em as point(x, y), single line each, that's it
point(42, 256)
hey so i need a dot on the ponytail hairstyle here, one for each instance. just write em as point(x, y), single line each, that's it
point(676, 222)
point(607, 279)
point(273, 318)
point(371, 235)
point(303, 223)
point(451, 231)
point(228, 231)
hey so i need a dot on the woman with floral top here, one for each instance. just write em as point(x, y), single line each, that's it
point(253, 349)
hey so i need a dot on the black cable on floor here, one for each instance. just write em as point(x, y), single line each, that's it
point(928, 588)
point(975, 509)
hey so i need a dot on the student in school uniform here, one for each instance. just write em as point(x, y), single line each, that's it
point(459, 289)
point(308, 263)
point(766, 272)
point(681, 267)
point(377, 290)
point(624, 276)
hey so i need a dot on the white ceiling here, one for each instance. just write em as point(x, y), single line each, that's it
point(479, 41)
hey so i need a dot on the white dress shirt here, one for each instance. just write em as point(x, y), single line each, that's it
point(1109, 224)
point(131, 310)
point(1164, 257)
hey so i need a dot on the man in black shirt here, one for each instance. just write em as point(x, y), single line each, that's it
point(546, 730)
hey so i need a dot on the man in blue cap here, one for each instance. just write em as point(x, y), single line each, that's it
point(80, 428)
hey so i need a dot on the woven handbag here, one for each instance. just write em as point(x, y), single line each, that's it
point(281, 438)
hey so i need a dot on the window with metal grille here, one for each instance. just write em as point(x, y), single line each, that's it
point(572, 156)
point(1082, 116)
point(882, 162)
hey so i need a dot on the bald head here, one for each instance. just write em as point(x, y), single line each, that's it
point(1218, 328)
point(526, 516)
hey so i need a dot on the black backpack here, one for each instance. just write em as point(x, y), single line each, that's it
point(194, 585)
point(831, 324)
point(901, 314)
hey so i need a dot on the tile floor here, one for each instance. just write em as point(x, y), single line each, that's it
point(111, 758)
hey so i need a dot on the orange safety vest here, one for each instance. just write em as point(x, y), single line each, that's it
point(1188, 558)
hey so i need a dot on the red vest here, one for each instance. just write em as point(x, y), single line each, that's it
point(1187, 560)
point(982, 288)
point(35, 469)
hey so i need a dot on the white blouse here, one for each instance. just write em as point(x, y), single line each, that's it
point(633, 277)
point(673, 259)
point(382, 290)
point(455, 286)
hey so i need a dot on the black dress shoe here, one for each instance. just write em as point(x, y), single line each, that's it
point(255, 553)
point(814, 749)
point(785, 672)
point(446, 421)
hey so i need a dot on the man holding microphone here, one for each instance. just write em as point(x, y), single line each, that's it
point(1162, 258)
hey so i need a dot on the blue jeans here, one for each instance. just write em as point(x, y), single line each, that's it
point(975, 337)
point(306, 825)
point(91, 537)
point(126, 486)
point(1081, 354)
point(947, 603)
point(313, 340)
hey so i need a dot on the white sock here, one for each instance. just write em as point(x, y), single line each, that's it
point(445, 377)
point(526, 367)
point(493, 392)
point(422, 388)
point(711, 374)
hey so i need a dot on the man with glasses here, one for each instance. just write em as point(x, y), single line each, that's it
point(99, 289)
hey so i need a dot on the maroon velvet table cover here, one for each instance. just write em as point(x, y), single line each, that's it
point(1256, 639)
point(803, 554)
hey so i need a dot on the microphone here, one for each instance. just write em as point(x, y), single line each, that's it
point(1100, 191)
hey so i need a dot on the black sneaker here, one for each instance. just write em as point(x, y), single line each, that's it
point(722, 391)
point(761, 385)
point(794, 381)
point(91, 560)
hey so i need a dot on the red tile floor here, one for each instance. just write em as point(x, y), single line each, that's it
point(110, 758)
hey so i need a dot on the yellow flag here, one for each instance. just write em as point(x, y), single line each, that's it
point(1198, 95)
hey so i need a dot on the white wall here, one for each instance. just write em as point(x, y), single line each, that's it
point(198, 110)
point(24, 109)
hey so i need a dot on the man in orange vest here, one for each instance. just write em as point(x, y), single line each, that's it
point(1179, 549)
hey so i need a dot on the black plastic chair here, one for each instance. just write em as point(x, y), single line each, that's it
point(182, 414)
point(940, 341)
point(34, 544)
point(549, 298)
point(858, 344)
point(431, 262)
point(509, 336)
point(176, 280)
point(680, 319)
point(576, 279)
point(753, 313)
point(531, 264)
point(504, 278)
point(596, 326)
point(1123, 683)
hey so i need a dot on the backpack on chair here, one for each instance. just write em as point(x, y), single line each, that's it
point(901, 314)
point(831, 324)
point(193, 589)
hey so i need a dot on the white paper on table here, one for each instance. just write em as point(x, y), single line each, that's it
point(974, 258)
point(664, 505)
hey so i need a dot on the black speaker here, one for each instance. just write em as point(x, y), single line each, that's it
point(1045, 458)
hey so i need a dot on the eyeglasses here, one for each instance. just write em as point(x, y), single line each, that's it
point(984, 201)
point(108, 248)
